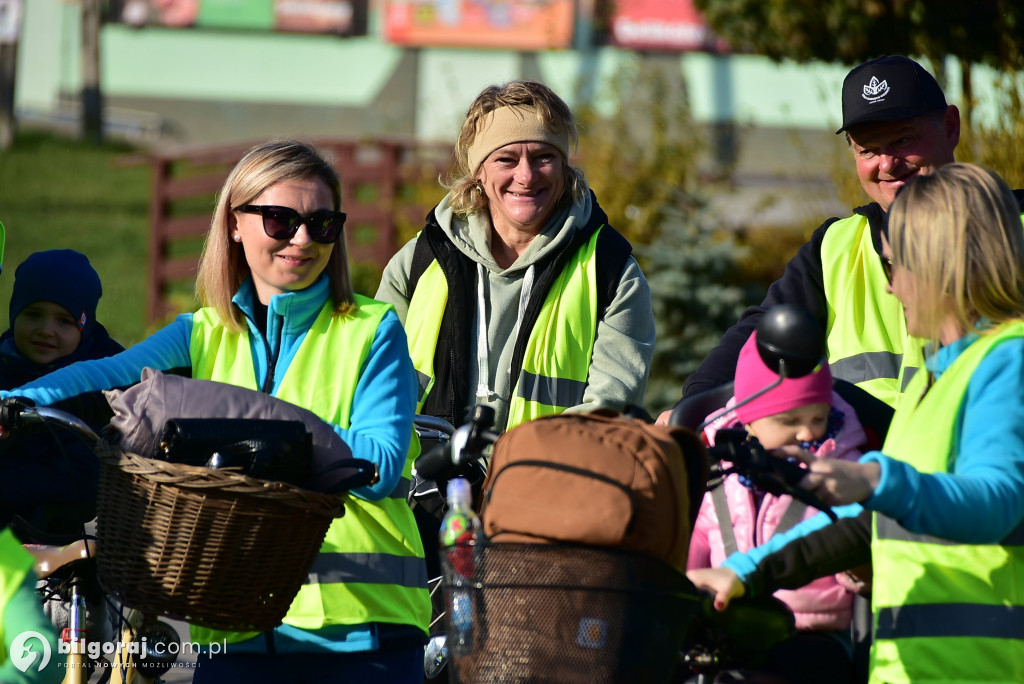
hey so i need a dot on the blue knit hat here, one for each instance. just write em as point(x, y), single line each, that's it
point(61, 276)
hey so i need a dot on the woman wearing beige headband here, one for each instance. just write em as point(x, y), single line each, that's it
point(517, 293)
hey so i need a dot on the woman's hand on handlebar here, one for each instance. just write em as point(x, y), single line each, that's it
point(834, 481)
point(722, 583)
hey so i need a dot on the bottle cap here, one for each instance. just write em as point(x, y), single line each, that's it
point(459, 492)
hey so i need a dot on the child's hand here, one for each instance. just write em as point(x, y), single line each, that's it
point(722, 582)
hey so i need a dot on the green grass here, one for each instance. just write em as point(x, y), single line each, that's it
point(60, 193)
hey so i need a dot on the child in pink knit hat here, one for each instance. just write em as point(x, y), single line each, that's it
point(737, 516)
point(795, 412)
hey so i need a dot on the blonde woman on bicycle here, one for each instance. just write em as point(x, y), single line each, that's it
point(279, 315)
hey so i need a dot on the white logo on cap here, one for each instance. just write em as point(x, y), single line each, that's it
point(875, 90)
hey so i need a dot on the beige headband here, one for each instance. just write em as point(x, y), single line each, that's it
point(507, 125)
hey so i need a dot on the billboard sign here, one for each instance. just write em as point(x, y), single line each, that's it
point(341, 17)
point(671, 25)
point(508, 24)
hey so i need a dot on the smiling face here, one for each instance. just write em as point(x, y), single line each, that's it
point(523, 183)
point(279, 266)
point(805, 423)
point(890, 153)
point(45, 332)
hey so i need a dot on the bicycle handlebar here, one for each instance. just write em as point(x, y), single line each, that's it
point(466, 445)
point(14, 412)
point(774, 475)
point(748, 458)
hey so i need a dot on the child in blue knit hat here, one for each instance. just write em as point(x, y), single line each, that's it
point(53, 317)
point(53, 324)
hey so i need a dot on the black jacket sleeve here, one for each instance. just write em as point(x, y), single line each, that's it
point(801, 284)
point(842, 545)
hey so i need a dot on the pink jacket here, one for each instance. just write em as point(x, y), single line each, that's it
point(824, 604)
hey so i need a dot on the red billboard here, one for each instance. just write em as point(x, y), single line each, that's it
point(673, 25)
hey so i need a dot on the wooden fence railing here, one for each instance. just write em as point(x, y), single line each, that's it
point(387, 188)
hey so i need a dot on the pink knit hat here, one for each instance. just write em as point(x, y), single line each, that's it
point(752, 375)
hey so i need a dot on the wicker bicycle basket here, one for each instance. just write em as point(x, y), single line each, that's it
point(212, 547)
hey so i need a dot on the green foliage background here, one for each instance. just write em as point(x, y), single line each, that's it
point(61, 193)
point(644, 162)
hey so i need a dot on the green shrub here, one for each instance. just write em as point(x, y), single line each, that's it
point(643, 162)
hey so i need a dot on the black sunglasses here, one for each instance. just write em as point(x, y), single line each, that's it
point(282, 223)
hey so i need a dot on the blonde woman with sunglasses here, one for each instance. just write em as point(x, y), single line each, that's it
point(279, 315)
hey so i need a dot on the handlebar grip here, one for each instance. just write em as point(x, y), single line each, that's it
point(10, 412)
point(435, 464)
point(352, 473)
point(791, 473)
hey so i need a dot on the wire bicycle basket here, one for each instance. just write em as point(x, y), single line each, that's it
point(563, 614)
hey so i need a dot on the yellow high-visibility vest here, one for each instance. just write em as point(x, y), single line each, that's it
point(371, 565)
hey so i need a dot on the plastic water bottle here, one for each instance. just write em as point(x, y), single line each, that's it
point(460, 529)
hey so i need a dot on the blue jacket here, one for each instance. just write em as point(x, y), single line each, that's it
point(988, 474)
point(382, 409)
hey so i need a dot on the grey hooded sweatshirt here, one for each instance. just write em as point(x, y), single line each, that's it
point(624, 344)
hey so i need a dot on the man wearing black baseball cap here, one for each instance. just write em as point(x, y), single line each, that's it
point(898, 125)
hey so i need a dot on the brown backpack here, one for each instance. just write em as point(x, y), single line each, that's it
point(598, 479)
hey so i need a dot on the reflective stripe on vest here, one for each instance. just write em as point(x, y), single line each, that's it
point(867, 338)
point(371, 565)
point(887, 528)
point(556, 362)
point(944, 611)
point(17, 562)
point(550, 391)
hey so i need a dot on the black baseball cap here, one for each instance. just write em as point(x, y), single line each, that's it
point(889, 88)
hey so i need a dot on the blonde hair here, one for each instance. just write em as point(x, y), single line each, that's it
point(958, 231)
point(527, 97)
point(222, 267)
